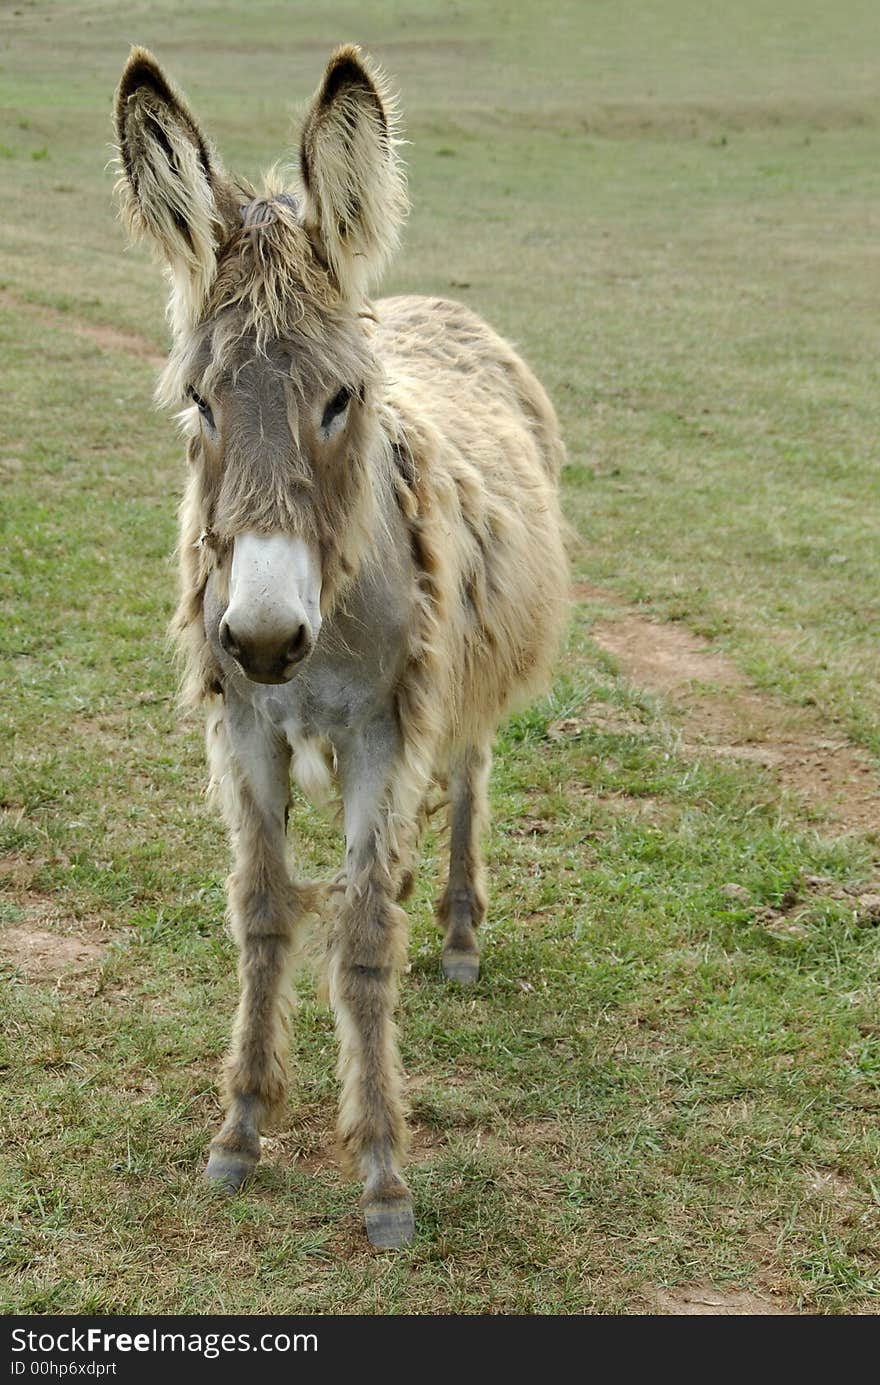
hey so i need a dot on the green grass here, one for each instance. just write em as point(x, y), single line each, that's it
point(674, 212)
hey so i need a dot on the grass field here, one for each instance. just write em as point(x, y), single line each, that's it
point(664, 1093)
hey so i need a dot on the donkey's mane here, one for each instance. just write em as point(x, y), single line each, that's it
point(269, 267)
point(272, 286)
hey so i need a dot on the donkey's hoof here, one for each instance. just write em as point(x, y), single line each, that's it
point(229, 1169)
point(463, 967)
point(390, 1223)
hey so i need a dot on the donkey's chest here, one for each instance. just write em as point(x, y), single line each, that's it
point(331, 698)
point(349, 679)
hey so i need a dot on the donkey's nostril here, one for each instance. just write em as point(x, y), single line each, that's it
point(228, 640)
point(299, 645)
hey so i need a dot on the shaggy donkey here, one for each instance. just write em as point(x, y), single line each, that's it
point(372, 570)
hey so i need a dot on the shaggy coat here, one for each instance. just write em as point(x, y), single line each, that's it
point(408, 459)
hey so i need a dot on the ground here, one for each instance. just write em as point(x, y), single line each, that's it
point(663, 1094)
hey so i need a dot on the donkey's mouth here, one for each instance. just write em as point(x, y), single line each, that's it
point(274, 679)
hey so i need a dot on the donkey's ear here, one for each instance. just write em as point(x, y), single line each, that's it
point(171, 185)
point(353, 179)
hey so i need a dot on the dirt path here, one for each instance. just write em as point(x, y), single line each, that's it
point(698, 1299)
point(107, 338)
point(722, 713)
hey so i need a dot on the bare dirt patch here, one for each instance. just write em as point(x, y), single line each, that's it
point(723, 714)
point(692, 1299)
point(43, 944)
point(655, 811)
point(111, 339)
point(17, 870)
point(604, 716)
point(43, 956)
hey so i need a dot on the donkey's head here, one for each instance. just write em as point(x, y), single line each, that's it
point(271, 363)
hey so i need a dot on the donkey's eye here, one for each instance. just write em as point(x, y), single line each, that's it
point(203, 406)
point(338, 404)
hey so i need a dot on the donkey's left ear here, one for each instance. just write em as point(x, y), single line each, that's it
point(171, 185)
point(353, 180)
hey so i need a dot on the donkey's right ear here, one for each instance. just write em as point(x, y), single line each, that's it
point(171, 184)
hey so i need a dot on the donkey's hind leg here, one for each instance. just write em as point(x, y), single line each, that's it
point(250, 769)
point(462, 906)
point(410, 839)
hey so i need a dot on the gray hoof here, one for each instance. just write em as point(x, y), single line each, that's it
point(228, 1170)
point(463, 967)
point(390, 1223)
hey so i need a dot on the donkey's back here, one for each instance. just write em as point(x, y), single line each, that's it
point(464, 376)
point(484, 446)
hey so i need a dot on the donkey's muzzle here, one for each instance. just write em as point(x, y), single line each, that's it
point(263, 660)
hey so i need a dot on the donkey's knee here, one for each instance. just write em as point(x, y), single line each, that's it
point(256, 1065)
point(372, 1127)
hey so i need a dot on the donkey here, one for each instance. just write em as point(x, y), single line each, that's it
point(372, 572)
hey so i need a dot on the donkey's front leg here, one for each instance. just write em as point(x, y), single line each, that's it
point(250, 767)
point(368, 950)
